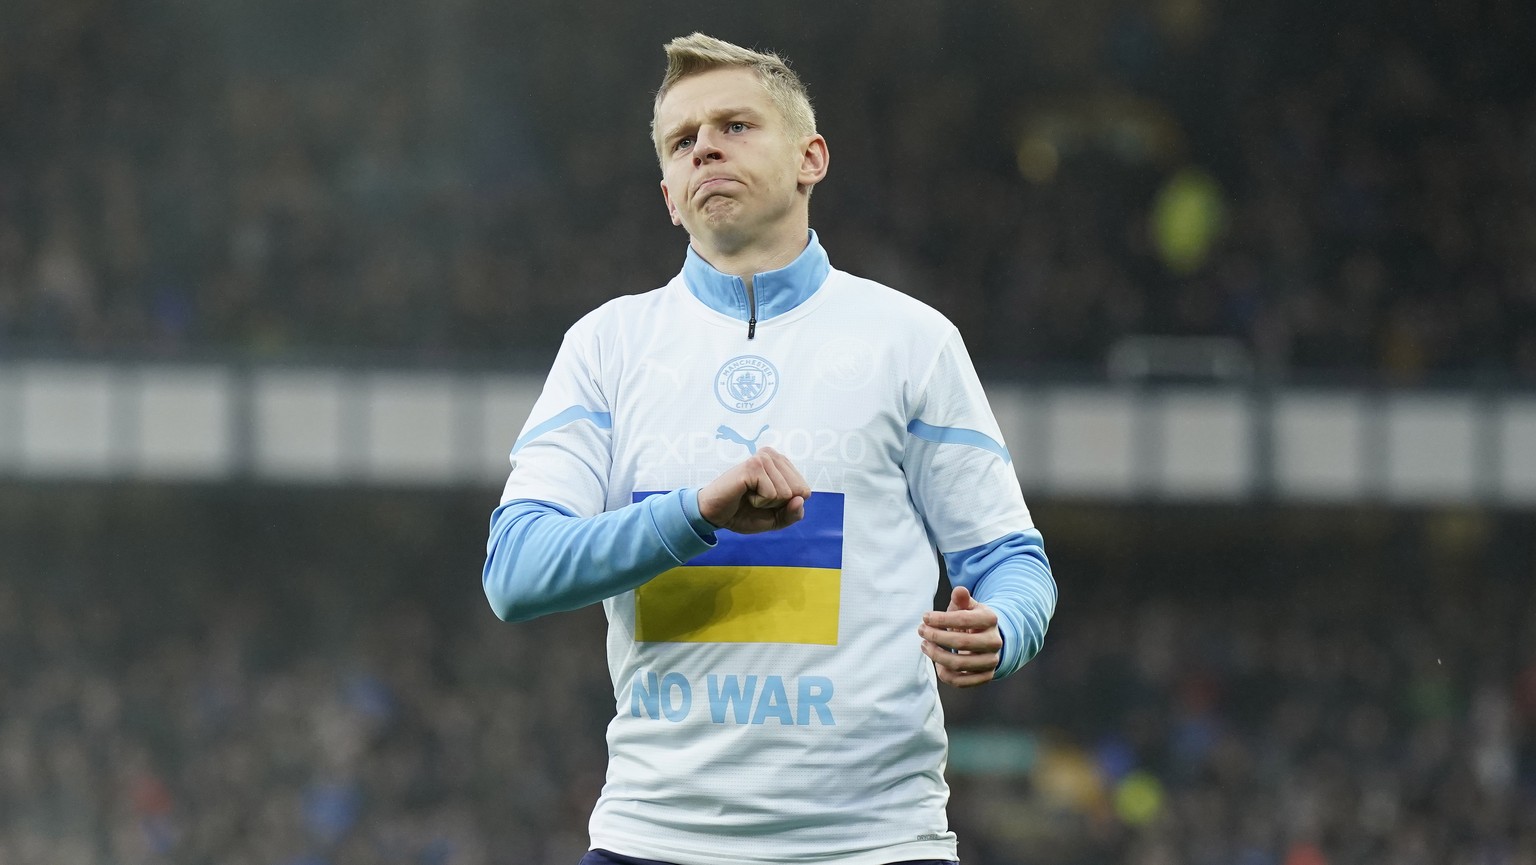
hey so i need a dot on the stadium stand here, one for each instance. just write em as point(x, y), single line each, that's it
point(1340, 189)
point(257, 672)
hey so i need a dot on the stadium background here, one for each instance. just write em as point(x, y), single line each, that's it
point(1253, 284)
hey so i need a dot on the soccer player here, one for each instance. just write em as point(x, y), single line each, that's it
point(752, 468)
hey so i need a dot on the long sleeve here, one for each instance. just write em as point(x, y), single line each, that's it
point(542, 559)
point(1013, 577)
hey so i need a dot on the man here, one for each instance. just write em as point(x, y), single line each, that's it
point(751, 468)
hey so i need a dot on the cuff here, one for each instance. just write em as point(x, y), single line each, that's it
point(1011, 657)
point(669, 513)
point(705, 528)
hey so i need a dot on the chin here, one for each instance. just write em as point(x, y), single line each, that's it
point(723, 223)
point(720, 209)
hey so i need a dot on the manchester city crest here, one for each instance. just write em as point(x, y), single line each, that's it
point(747, 383)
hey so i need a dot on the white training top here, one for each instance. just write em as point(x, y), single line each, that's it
point(772, 702)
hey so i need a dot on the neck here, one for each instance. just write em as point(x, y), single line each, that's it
point(769, 294)
point(749, 259)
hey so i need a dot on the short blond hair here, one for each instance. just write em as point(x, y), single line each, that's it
point(695, 53)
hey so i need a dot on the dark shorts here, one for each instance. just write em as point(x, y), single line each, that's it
point(604, 857)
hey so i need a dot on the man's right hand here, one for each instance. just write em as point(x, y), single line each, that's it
point(764, 493)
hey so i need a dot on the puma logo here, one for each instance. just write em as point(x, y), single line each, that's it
point(725, 432)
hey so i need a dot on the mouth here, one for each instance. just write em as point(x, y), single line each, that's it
point(713, 183)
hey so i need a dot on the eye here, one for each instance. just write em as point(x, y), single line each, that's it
point(683, 143)
point(737, 126)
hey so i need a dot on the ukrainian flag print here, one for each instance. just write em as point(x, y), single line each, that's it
point(783, 586)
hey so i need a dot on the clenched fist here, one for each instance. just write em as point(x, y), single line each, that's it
point(763, 493)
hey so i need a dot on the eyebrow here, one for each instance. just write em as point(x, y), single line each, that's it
point(719, 114)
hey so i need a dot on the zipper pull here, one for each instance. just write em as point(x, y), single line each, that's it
point(751, 327)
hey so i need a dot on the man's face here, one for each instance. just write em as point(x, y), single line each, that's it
point(731, 168)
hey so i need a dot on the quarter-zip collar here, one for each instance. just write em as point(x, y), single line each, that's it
point(776, 291)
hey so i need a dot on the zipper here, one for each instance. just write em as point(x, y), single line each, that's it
point(752, 322)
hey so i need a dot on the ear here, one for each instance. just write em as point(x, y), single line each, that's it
point(666, 196)
point(814, 158)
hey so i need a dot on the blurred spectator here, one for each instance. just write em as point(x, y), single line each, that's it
point(430, 179)
point(283, 677)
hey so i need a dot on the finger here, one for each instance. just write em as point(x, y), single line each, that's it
point(966, 680)
point(792, 512)
point(951, 665)
point(758, 481)
point(960, 599)
point(785, 473)
point(796, 481)
point(760, 492)
point(961, 662)
point(978, 619)
point(773, 468)
point(963, 641)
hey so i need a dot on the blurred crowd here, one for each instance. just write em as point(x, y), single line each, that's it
point(1347, 188)
point(1302, 688)
point(267, 677)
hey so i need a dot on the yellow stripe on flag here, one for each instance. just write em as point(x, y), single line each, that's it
point(740, 604)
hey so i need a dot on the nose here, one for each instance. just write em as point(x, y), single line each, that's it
point(705, 149)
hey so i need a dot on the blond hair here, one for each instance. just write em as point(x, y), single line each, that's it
point(695, 53)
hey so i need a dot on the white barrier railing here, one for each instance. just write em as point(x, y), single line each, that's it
point(1119, 441)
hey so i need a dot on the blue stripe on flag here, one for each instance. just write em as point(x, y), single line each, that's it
point(814, 542)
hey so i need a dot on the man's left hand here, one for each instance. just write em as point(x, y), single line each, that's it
point(963, 641)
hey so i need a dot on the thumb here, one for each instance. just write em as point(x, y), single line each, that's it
point(960, 599)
